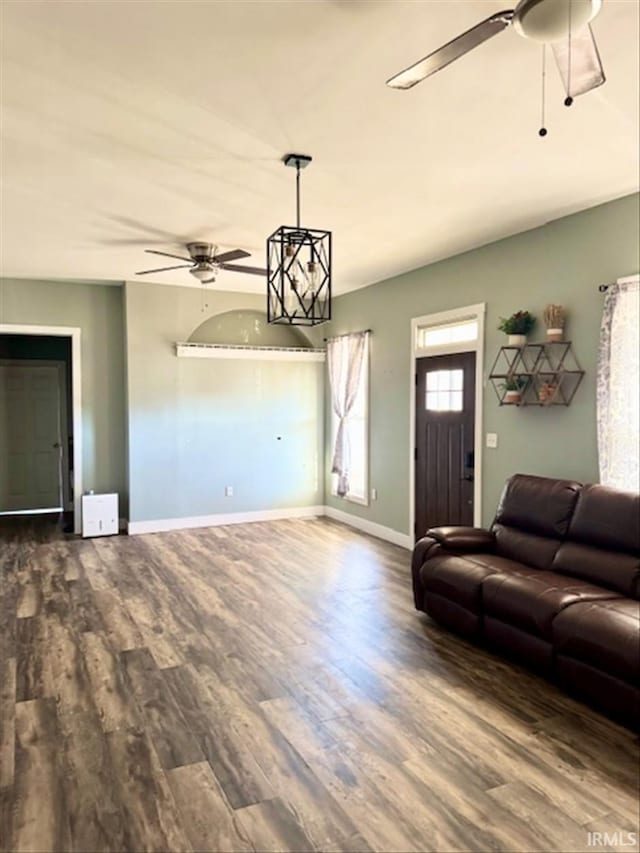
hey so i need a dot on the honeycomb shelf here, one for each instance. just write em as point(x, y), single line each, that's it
point(547, 374)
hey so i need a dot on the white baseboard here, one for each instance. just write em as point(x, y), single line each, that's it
point(165, 524)
point(370, 527)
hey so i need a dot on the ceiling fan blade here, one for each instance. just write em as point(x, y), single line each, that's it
point(168, 255)
point(233, 255)
point(585, 71)
point(451, 51)
point(164, 269)
point(238, 268)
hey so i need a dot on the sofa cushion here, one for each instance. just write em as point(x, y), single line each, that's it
point(604, 540)
point(604, 634)
point(538, 505)
point(459, 579)
point(533, 517)
point(531, 599)
point(527, 548)
point(618, 572)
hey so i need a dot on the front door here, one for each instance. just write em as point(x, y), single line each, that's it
point(30, 438)
point(445, 427)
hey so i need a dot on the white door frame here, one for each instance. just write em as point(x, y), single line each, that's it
point(456, 315)
point(74, 333)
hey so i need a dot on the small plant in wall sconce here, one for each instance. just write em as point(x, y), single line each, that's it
point(554, 320)
point(513, 388)
point(517, 327)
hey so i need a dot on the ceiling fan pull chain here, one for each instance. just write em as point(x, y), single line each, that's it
point(543, 129)
point(569, 100)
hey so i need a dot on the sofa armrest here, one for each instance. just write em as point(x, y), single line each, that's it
point(424, 548)
point(463, 538)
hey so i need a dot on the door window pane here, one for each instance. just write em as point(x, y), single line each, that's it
point(444, 390)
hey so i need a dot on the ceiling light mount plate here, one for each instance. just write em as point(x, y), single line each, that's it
point(296, 161)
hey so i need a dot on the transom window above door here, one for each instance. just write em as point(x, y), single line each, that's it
point(444, 390)
point(450, 333)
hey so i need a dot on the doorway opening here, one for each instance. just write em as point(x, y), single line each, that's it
point(40, 422)
point(446, 419)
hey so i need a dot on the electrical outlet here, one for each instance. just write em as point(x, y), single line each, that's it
point(374, 494)
point(492, 439)
point(228, 491)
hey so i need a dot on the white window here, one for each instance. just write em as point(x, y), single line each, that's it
point(356, 428)
point(450, 333)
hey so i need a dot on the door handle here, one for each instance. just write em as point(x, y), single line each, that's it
point(468, 478)
point(57, 445)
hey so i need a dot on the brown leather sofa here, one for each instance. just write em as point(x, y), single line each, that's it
point(554, 582)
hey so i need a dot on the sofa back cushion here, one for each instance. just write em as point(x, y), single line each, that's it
point(533, 517)
point(603, 542)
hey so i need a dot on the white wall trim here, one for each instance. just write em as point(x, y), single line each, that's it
point(467, 312)
point(193, 350)
point(165, 524)
point(136, 528)
point(370, 527)
point(73, 332)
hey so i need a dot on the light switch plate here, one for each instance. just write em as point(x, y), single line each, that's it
point(492, 439)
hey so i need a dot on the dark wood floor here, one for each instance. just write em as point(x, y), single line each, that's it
point(269, 687)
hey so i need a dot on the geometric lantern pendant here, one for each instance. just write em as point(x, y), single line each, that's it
point(298, 267)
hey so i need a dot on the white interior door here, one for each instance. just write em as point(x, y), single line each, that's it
point(30, 437)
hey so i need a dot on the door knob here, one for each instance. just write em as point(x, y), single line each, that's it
point(56, 445)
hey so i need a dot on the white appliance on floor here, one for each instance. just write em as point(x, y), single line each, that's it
point(99, 515)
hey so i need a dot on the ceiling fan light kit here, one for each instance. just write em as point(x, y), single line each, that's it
point(548, 22)
point(564, 25)
point(298, 267)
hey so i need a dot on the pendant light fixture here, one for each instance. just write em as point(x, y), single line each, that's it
point(298, 267)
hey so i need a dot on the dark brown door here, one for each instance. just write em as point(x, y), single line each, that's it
point(445, 423)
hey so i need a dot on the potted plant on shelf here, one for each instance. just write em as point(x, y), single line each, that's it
point(513, 386)
point(547, 392)
point(554, 316)
point(517, 327)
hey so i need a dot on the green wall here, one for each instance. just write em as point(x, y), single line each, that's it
point(198, 425)
point(563, 261)
point(97, 310)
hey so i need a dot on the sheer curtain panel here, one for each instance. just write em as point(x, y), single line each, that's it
point(619, 386)
point(345, 359)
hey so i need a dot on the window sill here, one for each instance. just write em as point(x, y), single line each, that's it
point(351, 499)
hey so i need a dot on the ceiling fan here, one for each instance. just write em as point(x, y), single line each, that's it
point(204, 262)
point(563, 24)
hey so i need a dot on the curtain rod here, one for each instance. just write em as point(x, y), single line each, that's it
point(346, 335)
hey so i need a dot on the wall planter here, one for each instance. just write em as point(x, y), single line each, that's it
point(554, 319)
point(517, 327)
point(516, 340)
point(546, 374)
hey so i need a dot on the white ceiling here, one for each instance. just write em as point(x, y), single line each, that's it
point(139, 124)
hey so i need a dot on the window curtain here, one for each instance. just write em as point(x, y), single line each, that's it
point(345, 358)
point(618, 391)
